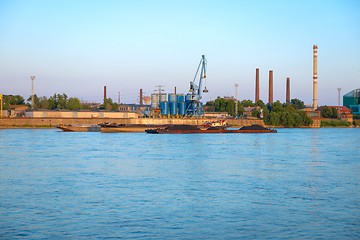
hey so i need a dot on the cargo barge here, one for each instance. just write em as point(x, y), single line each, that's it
point(79, 128)
point(190, 129)
point(123, 128)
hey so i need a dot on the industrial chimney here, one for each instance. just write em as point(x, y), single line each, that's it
point(315, 78)
point(288, 90)
point(271, 87)
point(104, 94)
point(257, 86)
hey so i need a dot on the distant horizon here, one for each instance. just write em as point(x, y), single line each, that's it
point(77, 47)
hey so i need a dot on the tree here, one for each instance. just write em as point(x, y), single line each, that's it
point(73, 104)
point(109, 105)
point(17, 100)
point(297, 103)
point(256, 113)
point(36, 102)
point(61, 101)
point(247, 103)
point(230, 107)
point(43, 103)
point(277, 106)
point(220, 105)
point(272, 118)
point(328, 112)
point(52, 102)
point(260, 104)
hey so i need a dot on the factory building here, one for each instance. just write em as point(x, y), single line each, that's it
point(352, 101)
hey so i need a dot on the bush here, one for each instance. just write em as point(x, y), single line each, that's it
point(334, 123)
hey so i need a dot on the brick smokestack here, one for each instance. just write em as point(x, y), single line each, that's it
point(104, 94)
point(257, 86)
point(141, 96)
point(271, 87)
point(287, 90)
point(315, 78)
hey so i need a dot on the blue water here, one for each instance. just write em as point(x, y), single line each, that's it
point(296, 184)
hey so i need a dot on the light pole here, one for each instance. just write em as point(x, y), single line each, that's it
point(32, 92)
point(1, 103)
point(236, 100)
point(339, 89)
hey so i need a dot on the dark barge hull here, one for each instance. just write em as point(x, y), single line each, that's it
point(165, 131)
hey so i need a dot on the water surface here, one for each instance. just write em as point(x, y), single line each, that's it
point(296, 184)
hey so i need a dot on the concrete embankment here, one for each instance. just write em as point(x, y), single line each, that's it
point(53, 122)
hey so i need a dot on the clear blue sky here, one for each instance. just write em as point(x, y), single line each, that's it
point(77, 47)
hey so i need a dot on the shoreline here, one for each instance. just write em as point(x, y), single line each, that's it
point(44, 123)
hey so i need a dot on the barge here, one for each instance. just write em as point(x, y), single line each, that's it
point(123, 128)
point(79, 128)
point(190, 129)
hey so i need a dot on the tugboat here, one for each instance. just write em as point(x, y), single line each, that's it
point(188, 129)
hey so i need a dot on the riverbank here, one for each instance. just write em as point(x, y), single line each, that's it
point(53, 122)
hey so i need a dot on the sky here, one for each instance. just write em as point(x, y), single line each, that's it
point(77, 47)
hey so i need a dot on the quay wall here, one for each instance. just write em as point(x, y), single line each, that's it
point(53, 122)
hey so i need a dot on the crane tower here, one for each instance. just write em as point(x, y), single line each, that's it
point(193, 98)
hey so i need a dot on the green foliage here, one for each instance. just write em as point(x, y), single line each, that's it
point(260, 104)
point(12, 100)
point(109, 105)
point(73, 104)
point(224, 105)
point(255, 113)
point(58, 101)
point(334, 123)
point(328, 112)
point(287, 115)
point(276, 114)
point(210, 106)
point(297, 103)
point(247, 103)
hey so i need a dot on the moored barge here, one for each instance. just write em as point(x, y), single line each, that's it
point(79, 128)
point(190, 129)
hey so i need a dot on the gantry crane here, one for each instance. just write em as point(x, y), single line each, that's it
point(194, 107)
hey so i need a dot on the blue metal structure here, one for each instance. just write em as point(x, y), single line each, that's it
point(164, 106)
point(194, 108)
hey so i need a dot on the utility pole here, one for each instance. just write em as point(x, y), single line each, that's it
point(236, 100)
point(119, 98)
point(339, 89)
point(32, 92)
point(1, 106)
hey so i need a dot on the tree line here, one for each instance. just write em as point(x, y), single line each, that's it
point(276, 114)
point(57, 101)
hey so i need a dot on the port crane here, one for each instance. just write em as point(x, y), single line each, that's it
point(194, 107)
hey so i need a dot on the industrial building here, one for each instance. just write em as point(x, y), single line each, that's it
point(174, 104)
point(79, 114)
point(352, 101)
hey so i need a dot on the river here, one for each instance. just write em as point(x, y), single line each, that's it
point(294, 184)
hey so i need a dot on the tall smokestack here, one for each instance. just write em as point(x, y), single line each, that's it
point(315, 78)
point(257, 86)
point(175, 90)
point(141, 97)
point(271, 87)
point(287, 90)
point(104, 94)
